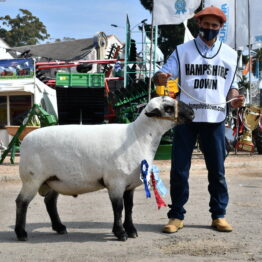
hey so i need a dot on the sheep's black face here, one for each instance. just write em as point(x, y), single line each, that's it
point(185, 113)
point(170, 109)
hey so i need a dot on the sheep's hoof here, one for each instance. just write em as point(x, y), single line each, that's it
point(132, 234)
point(61, 229)
point(62, 232)
point(22, 238)
point(131, 231)
point(21, 235)
point(121, 235)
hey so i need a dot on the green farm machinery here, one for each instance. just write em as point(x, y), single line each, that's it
point(45, 120)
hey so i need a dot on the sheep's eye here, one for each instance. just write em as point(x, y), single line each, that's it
point(169, 109)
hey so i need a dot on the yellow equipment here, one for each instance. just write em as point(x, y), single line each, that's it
point(171, 89)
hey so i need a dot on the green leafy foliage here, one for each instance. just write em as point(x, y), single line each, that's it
point(243, 82)
point(57, 40)
point(148, 4)
point(24, 29)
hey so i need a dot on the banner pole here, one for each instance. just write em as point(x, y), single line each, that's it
point(249, 52)
point(235, 7)
point(150, 59)
point(34, 80)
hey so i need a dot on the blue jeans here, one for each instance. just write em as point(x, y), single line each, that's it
point(212, 136)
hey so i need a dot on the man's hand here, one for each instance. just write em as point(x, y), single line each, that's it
point(161, 78)
point(238, 101)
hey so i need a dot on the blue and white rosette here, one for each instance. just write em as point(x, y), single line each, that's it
point(145, 177)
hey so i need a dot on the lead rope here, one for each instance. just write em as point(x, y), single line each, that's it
point(202, 102)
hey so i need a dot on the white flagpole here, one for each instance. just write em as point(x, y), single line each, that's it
point(249, 52)
point(235, 7)
point(34, 81)
point(150, 59)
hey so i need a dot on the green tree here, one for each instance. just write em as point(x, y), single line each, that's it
point(24, 29)
point(169, 36)
point(56, 40)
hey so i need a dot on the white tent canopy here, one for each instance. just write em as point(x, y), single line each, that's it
point(43, 94)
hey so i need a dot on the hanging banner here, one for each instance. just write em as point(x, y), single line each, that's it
point(166, 12)
point(158, 56)
point(245, 10)
point(227, 32)
point(188, 36)
point(236, 29)
point(241, 24)
point(16, 68)
point(255, 21)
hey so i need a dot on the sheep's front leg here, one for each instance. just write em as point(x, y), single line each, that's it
point(118, 229)
point(128, 224)
point(51, 207)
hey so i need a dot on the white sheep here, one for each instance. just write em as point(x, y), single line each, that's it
point(76, 159)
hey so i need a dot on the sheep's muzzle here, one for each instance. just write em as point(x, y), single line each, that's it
point(185, 113)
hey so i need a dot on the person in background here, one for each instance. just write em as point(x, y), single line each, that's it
point(206, 69)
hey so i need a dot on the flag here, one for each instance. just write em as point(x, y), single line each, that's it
point(248, 67)
point(240, 61)
point(246, 9)
point(166, 12)
point(188, 36)
point(227, 32)
point(241, 24)
point(235, 31)
point(157, 55)
point(255, 21)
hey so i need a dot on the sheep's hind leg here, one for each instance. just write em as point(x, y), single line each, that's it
point(128, 223)
point(118, 228)
point(25, 196)
point(51, 207)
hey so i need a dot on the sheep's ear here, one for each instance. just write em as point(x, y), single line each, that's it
point(154, 112)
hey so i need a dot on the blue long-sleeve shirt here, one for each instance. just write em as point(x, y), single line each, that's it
point(172, 64)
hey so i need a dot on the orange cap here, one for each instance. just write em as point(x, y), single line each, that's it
point(212, 10)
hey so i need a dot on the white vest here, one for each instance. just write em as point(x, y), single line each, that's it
point(206, 79)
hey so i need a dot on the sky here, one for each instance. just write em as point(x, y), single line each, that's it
point(80, 18)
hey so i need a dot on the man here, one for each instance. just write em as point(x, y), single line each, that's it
point(206, 70)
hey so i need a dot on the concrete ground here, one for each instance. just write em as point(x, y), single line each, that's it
point(89, 220)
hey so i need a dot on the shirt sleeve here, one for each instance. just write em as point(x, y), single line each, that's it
point(234, 84)
point(171, 66)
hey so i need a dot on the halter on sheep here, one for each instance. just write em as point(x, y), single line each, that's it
point(51, 163)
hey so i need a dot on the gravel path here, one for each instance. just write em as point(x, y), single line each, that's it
point(89, 221)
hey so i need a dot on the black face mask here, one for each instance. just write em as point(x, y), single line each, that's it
point(208, 34)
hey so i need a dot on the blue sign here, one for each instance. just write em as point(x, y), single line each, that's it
point(17, 68)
